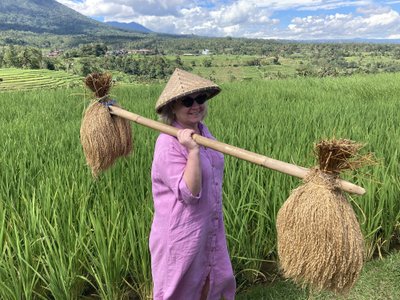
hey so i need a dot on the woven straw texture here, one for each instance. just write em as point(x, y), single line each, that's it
point(182, 83)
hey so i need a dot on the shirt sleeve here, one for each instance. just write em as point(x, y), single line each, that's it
point(171, 167)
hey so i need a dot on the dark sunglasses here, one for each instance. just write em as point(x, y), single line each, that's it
point(189, 100)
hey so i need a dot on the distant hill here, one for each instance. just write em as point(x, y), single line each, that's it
point(48, 23)
point(129, 26)
point(45, 16)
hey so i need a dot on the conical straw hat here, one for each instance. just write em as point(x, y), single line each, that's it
point(181, 84)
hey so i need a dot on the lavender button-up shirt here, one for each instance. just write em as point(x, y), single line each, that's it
point(187, 238)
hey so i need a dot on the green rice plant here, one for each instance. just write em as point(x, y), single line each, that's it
point(138, 261)
point(106, 263)
point(20, 268)
point(64, 235)
point(17, 79)
point(63, 273)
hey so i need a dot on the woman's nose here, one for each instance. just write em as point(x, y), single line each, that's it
point(195, 104)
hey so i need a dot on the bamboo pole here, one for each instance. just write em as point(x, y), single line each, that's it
point(249, 156)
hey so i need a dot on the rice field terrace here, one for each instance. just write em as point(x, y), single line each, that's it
point(64, 235)
point(17, 79)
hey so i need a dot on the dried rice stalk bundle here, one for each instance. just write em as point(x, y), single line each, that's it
point(335, 156)
point(104, 137)
point(320, 243)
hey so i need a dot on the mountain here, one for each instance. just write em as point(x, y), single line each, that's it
point(132, 26)
point(45, 16)
point(49, 24)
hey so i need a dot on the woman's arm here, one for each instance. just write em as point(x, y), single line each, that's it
point(192, 173)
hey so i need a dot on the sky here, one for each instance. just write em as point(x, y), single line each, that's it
point(273, 19)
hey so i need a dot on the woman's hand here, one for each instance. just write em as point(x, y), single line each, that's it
point(185, 138)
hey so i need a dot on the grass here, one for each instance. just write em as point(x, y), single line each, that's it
point(379, 280)
point(65, 236)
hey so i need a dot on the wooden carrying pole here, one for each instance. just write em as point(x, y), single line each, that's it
point(255, 158)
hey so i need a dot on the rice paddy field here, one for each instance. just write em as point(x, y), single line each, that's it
point(64, 235)
point(17, 79)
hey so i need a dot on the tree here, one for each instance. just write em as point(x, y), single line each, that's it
point(49, 64)
point(88, 66)
point(93, 50)
point(1, 58)
point(100, 49)
point(275, 60)
point(178, 61)
point(10, 57)
point(30, 58)
point(207, 63)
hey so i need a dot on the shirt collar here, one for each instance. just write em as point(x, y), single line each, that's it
point(177, 125)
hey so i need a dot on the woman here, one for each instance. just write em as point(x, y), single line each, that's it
point(189, 256)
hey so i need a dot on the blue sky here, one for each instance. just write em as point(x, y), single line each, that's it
point(277, 19)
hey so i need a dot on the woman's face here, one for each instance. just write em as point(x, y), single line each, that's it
point(190, 116)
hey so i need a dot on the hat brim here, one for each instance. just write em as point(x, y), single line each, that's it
point(209, 91)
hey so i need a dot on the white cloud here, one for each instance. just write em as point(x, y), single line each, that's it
point(309, 5)
point(251, 18)
point(373, 9)
point(98, 7)
point(382, 24)
point(122, 7)
point(225, 20)
point(383, 20)
point(236, 13)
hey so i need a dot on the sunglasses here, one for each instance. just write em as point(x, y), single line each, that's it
point(188, 100)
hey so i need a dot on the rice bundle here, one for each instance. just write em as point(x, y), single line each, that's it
point(104, 137)
point(320, 244)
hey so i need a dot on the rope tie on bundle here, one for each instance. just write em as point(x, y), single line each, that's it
point(106, 100)
point(325, 180)
point(110, 102)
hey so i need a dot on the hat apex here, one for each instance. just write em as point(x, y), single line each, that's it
point(183, 83)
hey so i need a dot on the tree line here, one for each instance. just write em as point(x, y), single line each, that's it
point(315, 59)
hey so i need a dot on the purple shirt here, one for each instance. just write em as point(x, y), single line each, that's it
point(187, 238)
